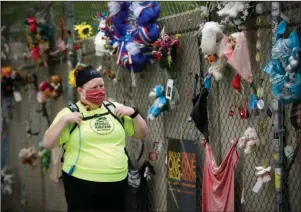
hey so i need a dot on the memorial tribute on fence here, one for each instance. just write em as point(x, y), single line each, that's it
point(182, 175)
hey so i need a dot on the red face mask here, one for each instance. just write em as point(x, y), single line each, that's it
point(95, 96)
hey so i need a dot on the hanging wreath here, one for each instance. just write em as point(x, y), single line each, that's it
point(132, 42)
point(84, 30)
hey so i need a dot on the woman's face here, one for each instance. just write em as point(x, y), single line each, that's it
point(92, 84)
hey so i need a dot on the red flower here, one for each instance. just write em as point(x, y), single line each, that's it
point(158, 55)
point(76, 47)
point(32, 22)
point(35, 52)
point(156, 43)
point(45, 86)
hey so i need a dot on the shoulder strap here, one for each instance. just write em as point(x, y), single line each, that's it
point(110, 107)
point(74, 108)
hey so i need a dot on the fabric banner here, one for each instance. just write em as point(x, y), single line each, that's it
point(182, 176)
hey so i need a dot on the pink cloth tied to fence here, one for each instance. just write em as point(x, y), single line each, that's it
point(239, 58)
point(218, 181)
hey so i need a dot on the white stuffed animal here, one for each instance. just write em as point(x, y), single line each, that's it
point(249, 141)
point(212, 45)
point(4, 44)
point(6, 181)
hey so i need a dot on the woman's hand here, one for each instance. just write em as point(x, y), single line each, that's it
point(72, 118)
point(141, 128)
point(124, 111)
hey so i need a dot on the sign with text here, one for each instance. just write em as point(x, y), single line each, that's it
point(182, 177)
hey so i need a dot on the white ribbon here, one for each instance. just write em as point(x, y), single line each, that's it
point(133, 77)
point(119, 52)
point(263, 176)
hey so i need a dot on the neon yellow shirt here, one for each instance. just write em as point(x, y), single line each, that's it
point(101, 156)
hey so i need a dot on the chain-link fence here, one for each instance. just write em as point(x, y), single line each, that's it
point(177, 18)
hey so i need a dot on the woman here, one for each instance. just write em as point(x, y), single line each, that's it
point(95, 163)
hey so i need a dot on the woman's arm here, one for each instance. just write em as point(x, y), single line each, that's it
point(53, 134)
point(56, 132)
point(141, 128)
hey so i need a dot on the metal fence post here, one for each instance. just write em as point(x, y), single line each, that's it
point(72, 60)
point(279, 139)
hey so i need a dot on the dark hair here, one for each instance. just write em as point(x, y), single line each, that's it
point(84, 74)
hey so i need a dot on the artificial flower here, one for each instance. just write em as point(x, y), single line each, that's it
point(30, 42)
point(177, 36)
point(84, 30)
point(72, 78)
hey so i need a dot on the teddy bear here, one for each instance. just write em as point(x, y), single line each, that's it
point(56, 83)
point(29, 156)
point(249, 141)
point(159, 104)
point(52, 89)
point(212, 45)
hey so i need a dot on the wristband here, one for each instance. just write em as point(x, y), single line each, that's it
point(135, 114)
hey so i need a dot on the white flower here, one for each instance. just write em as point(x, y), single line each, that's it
point(204, 9)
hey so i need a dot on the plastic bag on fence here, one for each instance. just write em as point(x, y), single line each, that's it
point(284, 67)
point(55, 168)
point(199, 111)
point(287, 90)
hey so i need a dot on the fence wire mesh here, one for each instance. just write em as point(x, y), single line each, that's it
point(176, 17)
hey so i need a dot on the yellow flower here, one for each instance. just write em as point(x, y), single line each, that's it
point(84, 30)
point(30, 44)
point(178, 36)
point(72, 78)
